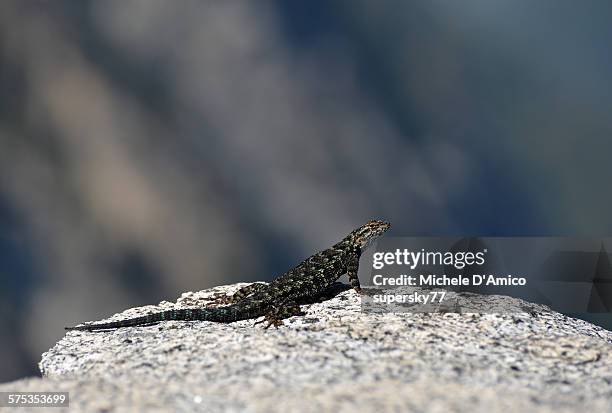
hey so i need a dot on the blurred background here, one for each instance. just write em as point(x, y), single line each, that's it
point(153, 147)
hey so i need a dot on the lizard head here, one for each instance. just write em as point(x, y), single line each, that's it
point(366, 234)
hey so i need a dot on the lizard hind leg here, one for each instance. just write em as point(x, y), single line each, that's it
point(244, 292)
point(277, 313)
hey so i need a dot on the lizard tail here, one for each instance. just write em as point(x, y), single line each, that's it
point(221, 314)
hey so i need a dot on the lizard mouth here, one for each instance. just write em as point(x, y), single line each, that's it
point(376, 229)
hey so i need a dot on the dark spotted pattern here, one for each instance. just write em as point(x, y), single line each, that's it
point(282, 297)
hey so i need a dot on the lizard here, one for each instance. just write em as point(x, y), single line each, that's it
point(280, 298)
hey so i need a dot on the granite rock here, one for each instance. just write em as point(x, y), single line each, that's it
point(337, 358)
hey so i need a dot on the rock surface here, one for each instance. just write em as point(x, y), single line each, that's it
point(337, 358)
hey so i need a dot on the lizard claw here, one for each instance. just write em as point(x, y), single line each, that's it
point(272, 321)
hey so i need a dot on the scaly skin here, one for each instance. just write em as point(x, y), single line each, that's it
point(281, 298)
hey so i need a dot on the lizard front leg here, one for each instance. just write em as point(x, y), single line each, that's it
point(351, 271)
point(277, 313)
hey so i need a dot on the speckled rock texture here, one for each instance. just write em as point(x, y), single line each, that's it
point(337, 358)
